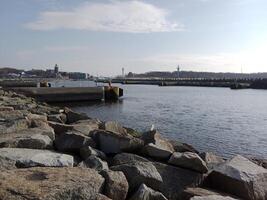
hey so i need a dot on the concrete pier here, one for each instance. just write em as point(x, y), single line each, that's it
point(71, 94)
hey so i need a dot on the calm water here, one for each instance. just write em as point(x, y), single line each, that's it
point(221, 120)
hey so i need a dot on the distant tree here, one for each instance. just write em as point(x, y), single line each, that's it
point(130, 75)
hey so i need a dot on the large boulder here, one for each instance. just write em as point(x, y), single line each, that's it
point(73, 116)
point(6, 108)
point(29, 138)
point(60, 118)
point(138, 173)
point(146, 193)
point(156, 146)
point(51, 184)
point(111, 142)
point(126, 158)
point(211, 159)
point(182, 147)
point(94, 163)
point(116, 185)
point(87, 151)
point(12, 121)
point(175, 180)
point(113, 127)
point(188, 160)
point(33, 157)
point(86, 126)
point(72, 142)
point(240, 177)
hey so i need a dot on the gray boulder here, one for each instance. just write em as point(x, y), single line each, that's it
point(111, 142)
point(45, 183)
point(94, 163)
point(211, 159)
point(60, 118)
point(212, 197)
point(73, 116)
point(34, 157)
point(156, 146)
point(6, 108)
point(188, 160)
point(146, 193)
point(87, 151)
point(126, 158)
point(72, 142)
point(240, 177)
point(113, 127)
point(116, 185)
point(182, 147)
point(175, 180)
point(138, 173)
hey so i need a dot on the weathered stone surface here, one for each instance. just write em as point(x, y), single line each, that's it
point(34, 138)
point(87, 151)
point(72, 142)
point(86, 126)
point(6, 108)
point(43, 108)
point(51, 184)
point(240, 177)
point(60, 118)
point(126, 158)
point(133, 132)
point(74, 116)
point(12, 121)
point(31, 117)
point(146, 193)
point(113, 127)
point(34, 157)
point(111, 142)
point(175, 180)
point(211, 159)
point(59, 127)
point(102, 197)
point(188, 160)
point(200, 192)
point(7, 164)
point(138, 173)
point(94, 163)
point(116, 185)
point(259, 161)
point(182, 147)
point(156, 146)
point(212, 197)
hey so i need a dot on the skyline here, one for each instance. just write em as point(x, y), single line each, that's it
point(101, 37)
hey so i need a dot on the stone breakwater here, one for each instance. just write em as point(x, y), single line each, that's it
point(51, 153)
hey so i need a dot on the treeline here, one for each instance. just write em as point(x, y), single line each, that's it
point(192, 74)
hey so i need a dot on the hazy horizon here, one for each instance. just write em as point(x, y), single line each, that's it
point(100, 37)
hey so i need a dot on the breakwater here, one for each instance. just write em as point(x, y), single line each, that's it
point(55, 153)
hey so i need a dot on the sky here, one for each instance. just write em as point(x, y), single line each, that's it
point(100, 37)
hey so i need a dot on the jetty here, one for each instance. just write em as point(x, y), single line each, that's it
point(70, 94)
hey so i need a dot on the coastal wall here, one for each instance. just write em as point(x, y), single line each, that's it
point(54, 153)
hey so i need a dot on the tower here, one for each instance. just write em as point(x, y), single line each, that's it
point(56, 69)
point(122, 72)
point(178, 71)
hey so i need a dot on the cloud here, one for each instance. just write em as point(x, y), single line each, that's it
point(114, 16)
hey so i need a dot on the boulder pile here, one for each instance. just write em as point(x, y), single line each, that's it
point(54, 153)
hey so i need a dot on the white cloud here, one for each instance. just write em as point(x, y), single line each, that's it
point(115, 16)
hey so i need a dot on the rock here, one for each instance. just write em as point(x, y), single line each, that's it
point(72, 142)
point(146, 193)
point(111, 142)
point(113, 126)
point(157, 152)
point(94, 163)
point(102, 197)
point(34, 157)
point(59, 127)
point(33, 138)
point(156, 146)
point(86, 126)
point(60, 118)
point(212, 197)
point(175, 180)
point(182, 147)
point(6, 108)
point(211, 159)
point(31, 117)
point(7, 164)
point(116, 185)
point(44, 109)
point(125, 158)
point(138, 173)
point(259, 161)
point(12, 121)
point(240, 177)
point(87, 151)
point(74, 116)
point(188, 160)
point(133, 132)
point(51, 184)
point(200, 192)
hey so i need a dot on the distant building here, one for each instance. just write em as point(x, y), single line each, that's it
point(78, 75)
point(56, 69)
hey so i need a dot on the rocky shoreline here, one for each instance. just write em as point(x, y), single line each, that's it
point(51, 153)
